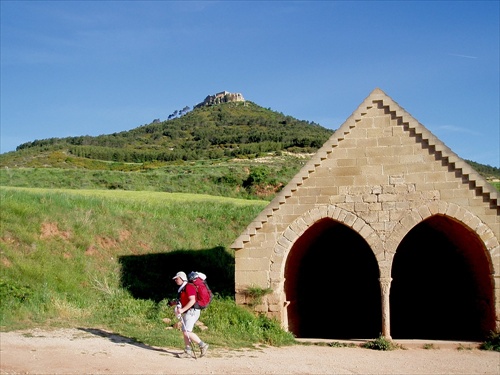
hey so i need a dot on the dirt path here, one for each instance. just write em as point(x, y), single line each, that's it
point(76, 351)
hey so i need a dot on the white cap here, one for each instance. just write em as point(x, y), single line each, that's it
point(181, 275)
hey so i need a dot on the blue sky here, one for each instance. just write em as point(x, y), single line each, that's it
point(73, 68)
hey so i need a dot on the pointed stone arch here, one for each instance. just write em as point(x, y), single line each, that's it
point(301, 224)
point(296, 231)
point(312, 258)
point(443, 263)
point(456, 212)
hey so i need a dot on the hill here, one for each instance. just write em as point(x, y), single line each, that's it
point(235, 129)
point(235, 149)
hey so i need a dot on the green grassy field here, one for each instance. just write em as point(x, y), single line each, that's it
point(246, 179)
point(105, 259)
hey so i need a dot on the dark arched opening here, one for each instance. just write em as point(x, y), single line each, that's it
point(331, 281)
point(442, 287)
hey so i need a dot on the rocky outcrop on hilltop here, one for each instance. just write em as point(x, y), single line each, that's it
point(221, 97)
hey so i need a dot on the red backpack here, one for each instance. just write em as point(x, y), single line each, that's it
point(203, 293)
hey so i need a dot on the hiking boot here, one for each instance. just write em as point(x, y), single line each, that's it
point(186, 354)
point(203, 349)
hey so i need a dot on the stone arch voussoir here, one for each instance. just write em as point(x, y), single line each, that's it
point(297, 228)
point(454, 211)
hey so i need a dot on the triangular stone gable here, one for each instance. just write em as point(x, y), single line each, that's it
point(403, 119)
point(381, 174)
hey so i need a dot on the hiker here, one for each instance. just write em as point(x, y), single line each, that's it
point(186, 311)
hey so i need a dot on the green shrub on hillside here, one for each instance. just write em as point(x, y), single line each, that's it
point(13, 291)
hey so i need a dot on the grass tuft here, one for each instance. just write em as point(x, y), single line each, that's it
point(429, 346)
point(380, 343)
point(492, 342)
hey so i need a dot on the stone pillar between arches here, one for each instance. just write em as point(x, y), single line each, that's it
point(385, 288)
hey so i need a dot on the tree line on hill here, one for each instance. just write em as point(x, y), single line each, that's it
point(226, 130)
point(485, 170)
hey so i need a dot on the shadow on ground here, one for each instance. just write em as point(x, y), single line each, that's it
point(118, 339)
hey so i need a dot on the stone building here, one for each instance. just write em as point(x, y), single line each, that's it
point(384, 231)
point(221, 97)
